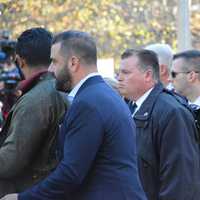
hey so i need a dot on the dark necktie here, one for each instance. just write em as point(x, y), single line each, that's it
point(132, 106)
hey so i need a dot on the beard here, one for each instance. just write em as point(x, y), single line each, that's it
point(64, 80)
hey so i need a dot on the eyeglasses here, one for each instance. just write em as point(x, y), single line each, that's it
point(174, 74)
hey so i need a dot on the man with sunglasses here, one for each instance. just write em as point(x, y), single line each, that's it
point(185, 75)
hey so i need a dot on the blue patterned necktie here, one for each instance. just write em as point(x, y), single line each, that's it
point(132, 106)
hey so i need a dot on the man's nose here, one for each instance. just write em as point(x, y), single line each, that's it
point(119, 77)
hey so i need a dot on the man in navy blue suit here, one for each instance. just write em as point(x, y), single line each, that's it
point(97, 149)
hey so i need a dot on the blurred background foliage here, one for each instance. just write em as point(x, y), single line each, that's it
point(116, 24)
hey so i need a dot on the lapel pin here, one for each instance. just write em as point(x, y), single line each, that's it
point(146, 113)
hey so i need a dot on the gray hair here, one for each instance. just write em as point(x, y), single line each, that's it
point(164, 53)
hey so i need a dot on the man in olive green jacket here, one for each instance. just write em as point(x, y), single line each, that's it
point(28, 138)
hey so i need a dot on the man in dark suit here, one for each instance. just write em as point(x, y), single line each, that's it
point(168, 153)
point(97, 148)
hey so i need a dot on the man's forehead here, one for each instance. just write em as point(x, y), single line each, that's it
point(178, 63)
point(130, 61)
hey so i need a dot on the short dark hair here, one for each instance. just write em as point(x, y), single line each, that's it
point(191, 58)
point(147, 58)
point(80, 43)
point(34, 45)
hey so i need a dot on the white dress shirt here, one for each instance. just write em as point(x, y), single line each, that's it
point(140, 101)
point(196, 102)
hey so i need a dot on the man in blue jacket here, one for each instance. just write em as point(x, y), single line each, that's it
point(97, 147)
point(168, 152)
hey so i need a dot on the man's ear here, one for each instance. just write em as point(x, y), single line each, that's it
point(21, 61)
point(148, 75)
point(74, 63)
point(192, 76)
point(162, 69)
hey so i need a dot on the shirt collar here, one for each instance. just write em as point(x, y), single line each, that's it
point(140, 101)
point(27, 84)
point(74, 91)
point(196, 102)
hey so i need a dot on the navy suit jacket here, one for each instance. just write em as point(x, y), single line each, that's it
point(97, 150)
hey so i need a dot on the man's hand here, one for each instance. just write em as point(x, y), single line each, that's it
point(10, 197)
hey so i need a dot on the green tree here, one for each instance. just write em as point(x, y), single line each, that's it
point(116, 24)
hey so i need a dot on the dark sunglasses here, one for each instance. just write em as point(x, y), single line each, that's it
point(174, 74)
